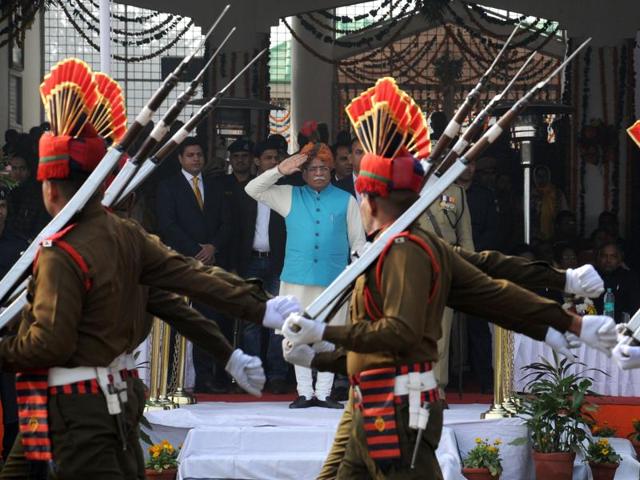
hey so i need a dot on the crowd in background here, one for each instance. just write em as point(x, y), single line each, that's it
point(206, 213)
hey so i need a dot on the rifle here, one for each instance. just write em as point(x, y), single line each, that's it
point(98, 176)
point(453, 127)
point(152, 163)
point(338, 290)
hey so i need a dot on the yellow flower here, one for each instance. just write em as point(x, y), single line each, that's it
point(605, 451)
point(478, 440)
point(165, 442)
point(156, 454)
point(497, 442)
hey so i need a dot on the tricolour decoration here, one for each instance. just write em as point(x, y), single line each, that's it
point(634, 132)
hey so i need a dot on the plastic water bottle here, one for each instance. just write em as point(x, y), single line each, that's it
point(609, 304)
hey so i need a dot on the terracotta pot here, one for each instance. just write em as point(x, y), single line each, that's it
point(636, 447)
point(603, 471)
point(478, 474)
point(554, 466)
point(169, 474)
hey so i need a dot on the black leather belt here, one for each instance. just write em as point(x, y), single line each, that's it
point(256, 253)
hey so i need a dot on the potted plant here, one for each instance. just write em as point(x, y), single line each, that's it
point(163, 461)
point(483, 461)
point(557, 415)
point(603, 459)
point(635, 436)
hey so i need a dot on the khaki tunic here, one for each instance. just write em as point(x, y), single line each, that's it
point(449, 218)
point(402, 336)
point(64, 325)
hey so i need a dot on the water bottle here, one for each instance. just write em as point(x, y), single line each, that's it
point(609, 304)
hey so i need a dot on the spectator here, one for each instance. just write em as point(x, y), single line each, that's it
point(343, 163)
point(11, 245)
point(546, 201)
point(190, 216)
point(484, 228)
point(599, 237)
point(281, 144)
point(622, 282)
point(565, 228)
point(565, 256)
point(27, 215)
point(323, 224)
point(260, 254)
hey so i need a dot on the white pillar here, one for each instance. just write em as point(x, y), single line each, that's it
point(105, 36)
point(311, 81)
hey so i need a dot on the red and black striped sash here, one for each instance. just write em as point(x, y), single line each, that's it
point(31, 389)
point(378, 413)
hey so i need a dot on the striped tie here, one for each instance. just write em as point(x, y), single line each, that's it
point(196, 190)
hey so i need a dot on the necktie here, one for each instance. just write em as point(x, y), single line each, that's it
point(196, 190)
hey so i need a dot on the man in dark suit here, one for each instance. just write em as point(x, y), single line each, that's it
point(190, 217)
point(256, 251)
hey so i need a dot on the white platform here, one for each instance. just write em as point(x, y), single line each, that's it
point(267, 440)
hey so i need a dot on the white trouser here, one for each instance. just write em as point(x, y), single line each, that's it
point(324, 380)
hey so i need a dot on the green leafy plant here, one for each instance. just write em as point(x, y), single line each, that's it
point(601, 451)
point(555, 408)
point(635, 435)
point(485, 455)
point(162, 456)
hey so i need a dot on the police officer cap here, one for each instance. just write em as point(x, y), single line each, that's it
point(269, 144)
point(241, 145)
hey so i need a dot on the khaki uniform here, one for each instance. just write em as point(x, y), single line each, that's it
point(65, 325)
point(449, 218)
point(410, 327)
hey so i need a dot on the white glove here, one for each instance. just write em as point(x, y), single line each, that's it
point(300, 330)
point(572, 338)
point(559, 343)
point(278, 309)
point(599, 332)
point(301, 355)
point(247, 371)
point(323, 346)
point(584, 281)
point(626, 356)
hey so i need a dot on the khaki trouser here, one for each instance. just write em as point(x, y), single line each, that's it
point(441, 368)
point(357, 464)
point(85, 439)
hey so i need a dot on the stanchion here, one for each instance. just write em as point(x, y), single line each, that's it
point(180, 396)
point(160, 342)
point(502, 375)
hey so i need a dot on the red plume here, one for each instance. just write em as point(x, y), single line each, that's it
point(109, 116)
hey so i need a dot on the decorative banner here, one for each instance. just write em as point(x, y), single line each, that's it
point(634, 132)
point(280, 123)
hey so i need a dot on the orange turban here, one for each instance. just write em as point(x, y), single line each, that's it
point(319, 150)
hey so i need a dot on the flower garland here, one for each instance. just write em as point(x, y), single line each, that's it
point(137, 59)
point(364, 41)
point(583, 123)
point(615, 170)
point(122, 18)
point(374, 23)
point(19, 17)
point(346, 19)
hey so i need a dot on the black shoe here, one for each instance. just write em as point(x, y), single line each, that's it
point(340, 393)
point(277, 386)
point(301, 402)
point(328, 403)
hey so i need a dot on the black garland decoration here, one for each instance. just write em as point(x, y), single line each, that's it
point(615, 171)
point(346, 19)
point(583, 165)
point(122, 18)
point(19, 16)
point(361, 42)
point(325, 26)
point(141, 58)
point(170, 22)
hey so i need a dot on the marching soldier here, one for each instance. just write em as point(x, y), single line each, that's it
point(79, 406)
point(390, 346)
point(448, 218)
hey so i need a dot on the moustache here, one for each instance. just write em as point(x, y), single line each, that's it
point(319, 177)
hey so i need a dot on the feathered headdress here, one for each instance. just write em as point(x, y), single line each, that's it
point(80, 106)
point(390, 126)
